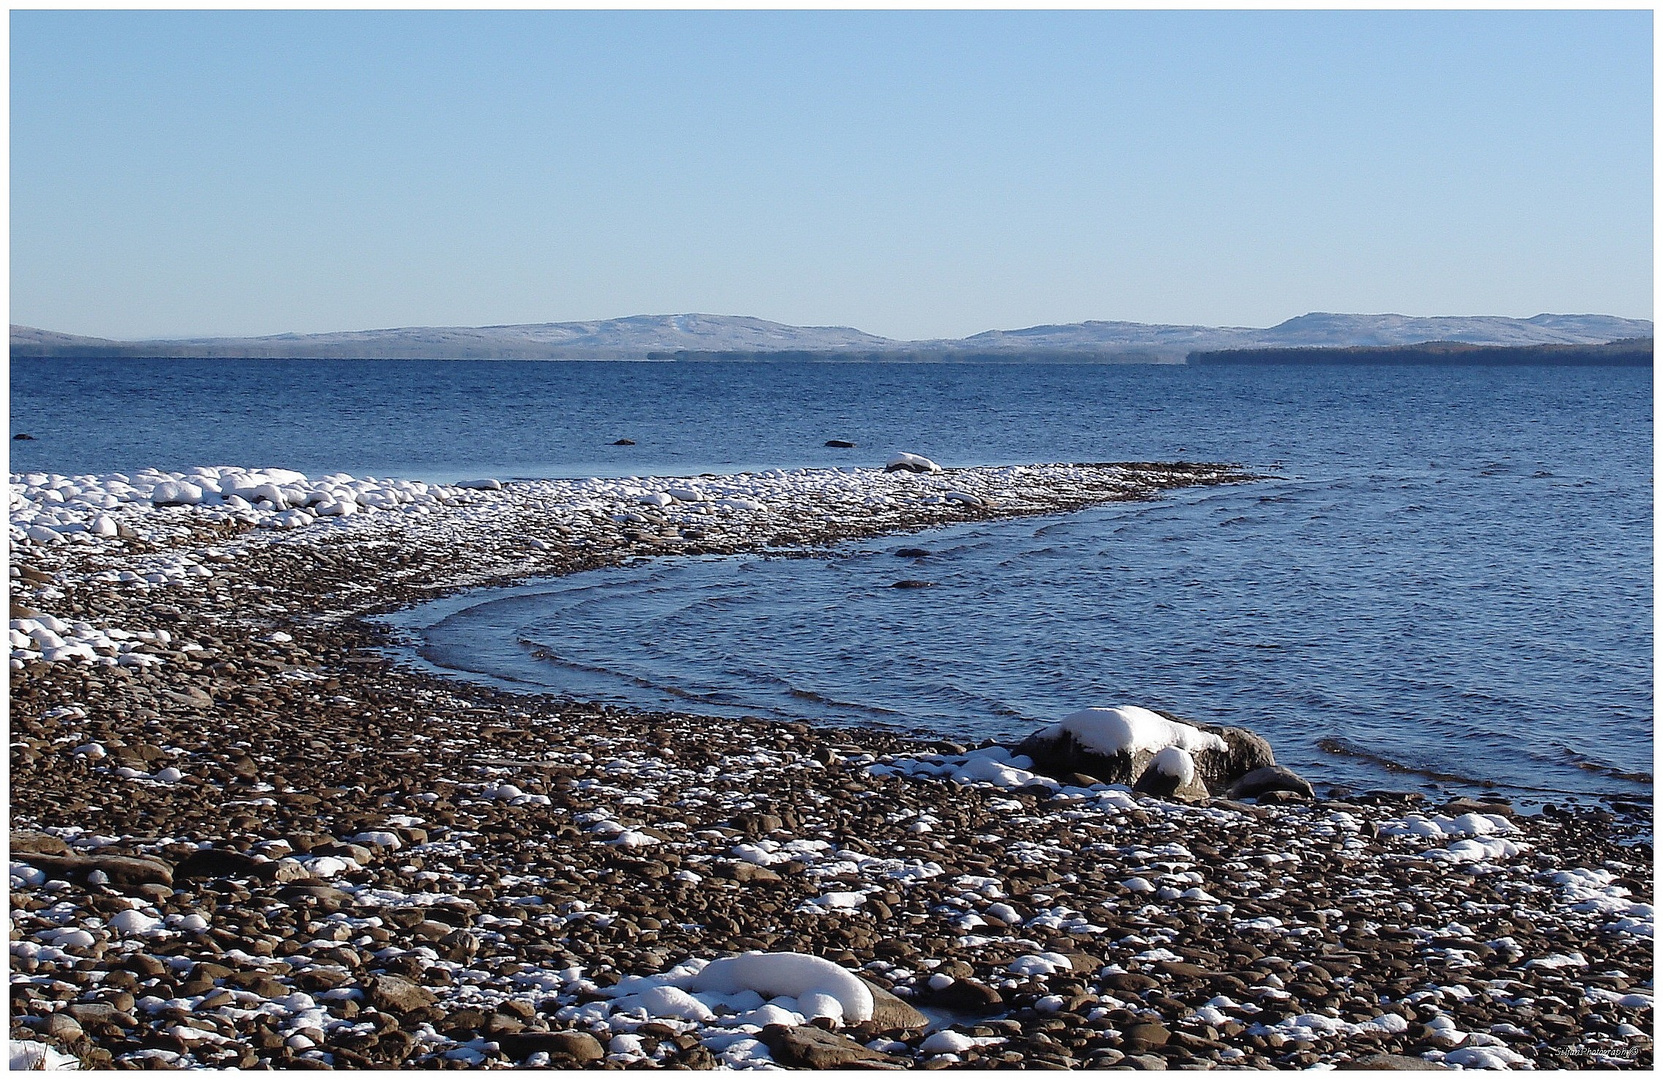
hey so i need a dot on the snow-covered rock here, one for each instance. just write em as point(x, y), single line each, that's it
point(786, 974)
point(1171, 774)
point(911, 463)
point(1118, 746)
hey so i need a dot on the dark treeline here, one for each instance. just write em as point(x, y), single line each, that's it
point(1634, 352)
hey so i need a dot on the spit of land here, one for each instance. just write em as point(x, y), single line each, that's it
point(241, 834)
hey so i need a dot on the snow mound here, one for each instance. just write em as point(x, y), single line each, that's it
point(1175, 761)
point(818, 985)
point(1129, 729)
point(28, 1056)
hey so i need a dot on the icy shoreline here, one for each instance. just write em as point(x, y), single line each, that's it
point(241, 836)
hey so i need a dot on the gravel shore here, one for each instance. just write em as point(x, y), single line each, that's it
point(241, 835)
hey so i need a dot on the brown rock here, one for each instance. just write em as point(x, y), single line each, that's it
point(39, 843)
point(746, 872)
point(1145, 1036)
point(890, 1013)
point(395, 994)
point(967, 995)
point(1267, 779)
point(1129, 982)
point(1163, 786)
point(123, 871)
point(573, 1046)
point(814, 1048)
point(1389, 1063)
point(216, 862)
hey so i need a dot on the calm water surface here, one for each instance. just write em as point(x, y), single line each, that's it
point(1449, 573)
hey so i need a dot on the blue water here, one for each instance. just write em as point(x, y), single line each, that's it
point(1451, 571)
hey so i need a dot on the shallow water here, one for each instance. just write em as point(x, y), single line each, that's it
point(1261, 606)
point(1451, 572)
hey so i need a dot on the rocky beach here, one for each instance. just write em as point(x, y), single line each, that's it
point(244, 833)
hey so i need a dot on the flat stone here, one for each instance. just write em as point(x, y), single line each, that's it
point(1390, 1063)
point(123, 871)
point(573, 1046)
point(966, 995)
point(746, 873)
point(396, 994)
point(891, 1014)
point(38, 843)
point(814, 1048)
point(1145, 1036)
point(217, 862)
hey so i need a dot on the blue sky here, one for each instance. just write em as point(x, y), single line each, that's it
point(911, 174)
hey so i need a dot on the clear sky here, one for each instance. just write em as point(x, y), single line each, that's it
point(911, 174)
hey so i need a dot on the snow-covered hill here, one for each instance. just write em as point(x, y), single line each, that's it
point(666, 336)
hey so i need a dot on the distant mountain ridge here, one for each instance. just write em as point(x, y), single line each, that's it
point(695, 336)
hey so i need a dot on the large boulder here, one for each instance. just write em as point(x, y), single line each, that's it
point(1119, 746)
point(1243, 752)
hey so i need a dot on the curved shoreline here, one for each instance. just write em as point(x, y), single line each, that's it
point(447, 866)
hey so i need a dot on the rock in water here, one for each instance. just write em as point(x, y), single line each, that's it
point(1118, 745)
point(1243, 752)
point(623, 442)
point(1268, 778)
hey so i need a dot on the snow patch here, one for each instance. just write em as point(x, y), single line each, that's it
point(1129, 729)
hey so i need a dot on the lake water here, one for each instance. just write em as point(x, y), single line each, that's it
point(1450, 572)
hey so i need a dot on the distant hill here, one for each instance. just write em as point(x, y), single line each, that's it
point(1634, 352)
point(673, 337)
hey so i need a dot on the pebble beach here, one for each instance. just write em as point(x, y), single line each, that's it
point(244, 833)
